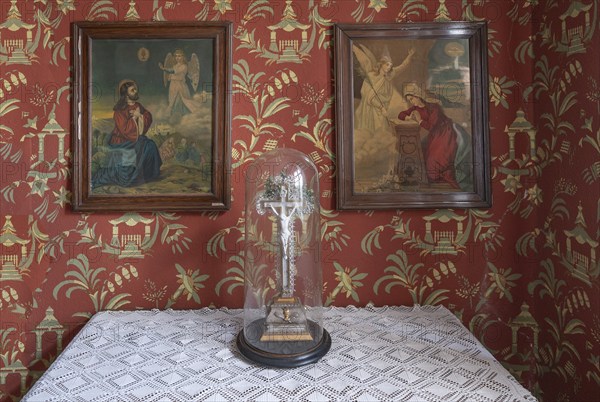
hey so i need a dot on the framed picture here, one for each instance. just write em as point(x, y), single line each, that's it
point(151, 116)
point(412, 115)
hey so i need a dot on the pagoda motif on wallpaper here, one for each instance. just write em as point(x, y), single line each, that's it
point(520, 126)
point(16, 38)
point(132, 14)
point(524, 347)
point(289, 38)
point(17, 252)
point(448, 235)
point(444, 232)
point(577, 27)
point(48, 325)
point(524, 326)
point(580, 250)
point(16, 257)
point(21, 41)
point(49, 328)
point(130, 236)
point(15, 367)
point(521, 166)
point(54, 134)
point(133, 243)
point(21, 248)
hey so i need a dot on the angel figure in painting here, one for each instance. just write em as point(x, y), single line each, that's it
point(181, 76)
point(377, 88)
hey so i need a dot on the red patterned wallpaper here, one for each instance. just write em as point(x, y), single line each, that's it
point(525, 280)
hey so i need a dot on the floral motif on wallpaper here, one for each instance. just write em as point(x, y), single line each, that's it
point(523, 276)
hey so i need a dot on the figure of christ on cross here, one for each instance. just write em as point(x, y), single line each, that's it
point(286, 209)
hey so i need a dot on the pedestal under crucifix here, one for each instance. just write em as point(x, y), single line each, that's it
point(286, 199)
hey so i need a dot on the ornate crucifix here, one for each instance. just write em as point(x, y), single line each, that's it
point(286, 200)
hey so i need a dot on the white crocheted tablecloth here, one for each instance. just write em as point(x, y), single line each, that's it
point(377, 354)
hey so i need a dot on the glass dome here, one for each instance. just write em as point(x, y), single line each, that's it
point(283, 317)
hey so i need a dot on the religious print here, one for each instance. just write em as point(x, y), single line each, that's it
point(156, 113)
point(411, 102)
point(156, 134)
point(412, 127)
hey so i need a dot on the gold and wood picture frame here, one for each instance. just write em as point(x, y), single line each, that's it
point(151, 116)
point(412, 115)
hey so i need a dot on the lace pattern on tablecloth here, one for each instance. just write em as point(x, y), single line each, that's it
point(420, 353)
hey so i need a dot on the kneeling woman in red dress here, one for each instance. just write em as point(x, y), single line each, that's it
point(446, 148)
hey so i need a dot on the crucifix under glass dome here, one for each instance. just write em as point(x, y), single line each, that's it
point(283, 279)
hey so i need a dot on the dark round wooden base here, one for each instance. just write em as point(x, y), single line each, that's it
point(279, 354)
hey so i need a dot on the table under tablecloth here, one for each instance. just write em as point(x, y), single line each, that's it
point(420, 353)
